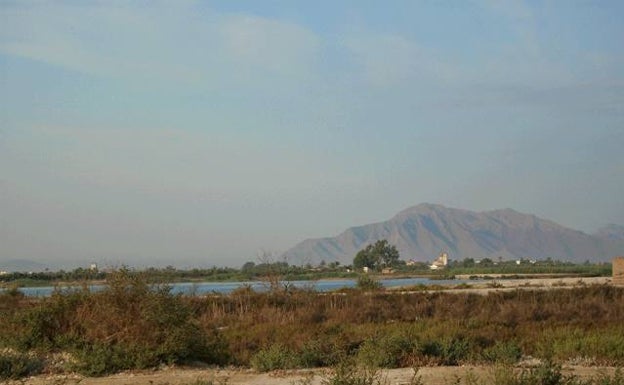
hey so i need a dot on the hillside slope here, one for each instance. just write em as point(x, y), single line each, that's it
point(422, 232)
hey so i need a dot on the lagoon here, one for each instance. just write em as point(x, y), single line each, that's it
point(202, 288)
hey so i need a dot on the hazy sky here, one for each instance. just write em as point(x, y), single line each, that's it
point(200, 133)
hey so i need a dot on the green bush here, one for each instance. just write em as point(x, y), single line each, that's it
point(506, 352)
point(347, 373)
point(316, 353)
point(388, 350)
point(366, 282)
point(448, 351)
point(101, 359)
point(131, 324)
point(41, 326)
point(605, 346)
point(274, 357)
point(327, 347)
point(18, 365)
point(455, 351)
point(550, 374)
point(546, 374)
point(128, 325)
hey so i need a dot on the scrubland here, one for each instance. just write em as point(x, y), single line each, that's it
point(132, 325)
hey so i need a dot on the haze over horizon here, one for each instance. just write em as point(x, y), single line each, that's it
point(197, 133)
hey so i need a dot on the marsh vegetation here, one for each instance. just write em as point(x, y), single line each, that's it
point(133, 325)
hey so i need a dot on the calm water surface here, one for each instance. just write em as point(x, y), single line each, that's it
point(199, 288)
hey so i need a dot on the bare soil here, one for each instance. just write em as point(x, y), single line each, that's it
point(439, 375)
point(501, 283)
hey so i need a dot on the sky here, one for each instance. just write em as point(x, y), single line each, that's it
point(209, 133)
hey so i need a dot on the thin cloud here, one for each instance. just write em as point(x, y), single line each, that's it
point(389, 60)
point(269, 44)
point(160, 42)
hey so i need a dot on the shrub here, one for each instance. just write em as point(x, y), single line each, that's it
point(319, 353)
point(17, 365)
point(550, 374)
point(388, 350)
point(547, 373)
point(101, 359)
point(449, 351)
point(455, 351)
point(328, 346)
point(129, 324)
point(367, 283)
point(275, 357)
point(10, 299)
point(41, 326)
point(605, 379)
point(506, 352)
point(347, 373)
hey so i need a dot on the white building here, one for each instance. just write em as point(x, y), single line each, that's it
point(441, 262)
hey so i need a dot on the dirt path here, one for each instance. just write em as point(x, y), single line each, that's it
point(440, 375)
point(507, 284)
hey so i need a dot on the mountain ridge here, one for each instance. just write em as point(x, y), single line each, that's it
point(421, 232)
point(22, 265)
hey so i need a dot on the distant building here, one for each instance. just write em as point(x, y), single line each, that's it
point(618, 270)
point(93, 267)
point(2, 272)
point(441, 262)
point(365, 269)
point(387, 270)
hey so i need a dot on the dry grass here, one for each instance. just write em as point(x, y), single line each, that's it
point(132, 325)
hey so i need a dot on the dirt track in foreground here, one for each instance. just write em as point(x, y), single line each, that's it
point(439, 375)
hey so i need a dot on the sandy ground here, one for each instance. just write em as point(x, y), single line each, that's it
point(441, 375)
point(499, 283)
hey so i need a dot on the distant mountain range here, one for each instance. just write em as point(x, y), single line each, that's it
point(21, 265)
point(422, 232)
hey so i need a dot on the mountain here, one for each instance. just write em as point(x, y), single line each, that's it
point(611, 232)
point(21, 265)
point(422, 232)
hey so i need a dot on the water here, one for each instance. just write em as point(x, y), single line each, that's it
point(199, 288)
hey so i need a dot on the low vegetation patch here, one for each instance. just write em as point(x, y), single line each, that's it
point(126, 326)
point(547, 374)
point(15, 365)
point(130, 325)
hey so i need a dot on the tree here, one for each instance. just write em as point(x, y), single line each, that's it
point(486, 262)
point(376, 256)
point(468, 262)
point(271, 271)
point(364, 258)
point(248, 267)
